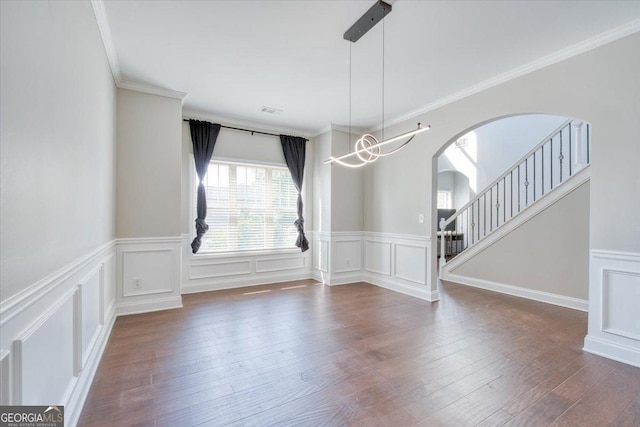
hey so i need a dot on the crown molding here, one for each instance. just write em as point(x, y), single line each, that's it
point(107, 40)
point(578, 48)
point(340, 128)
point(238, 122)
point(152, 90)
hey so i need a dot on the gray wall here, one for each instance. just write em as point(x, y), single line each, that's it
point(600, 86)
point(57, 140)
point(556, 239)
point(149, 151)
point(322, 183)
point(346, 188)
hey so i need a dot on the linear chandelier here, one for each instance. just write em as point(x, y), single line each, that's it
point(367, 148)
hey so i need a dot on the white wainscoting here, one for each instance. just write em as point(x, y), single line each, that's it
point(320, 243)
point(53, 333)
point(211, 272)
point(400, 263)
point(614, 306)
point(344, 262)
point(148, 274)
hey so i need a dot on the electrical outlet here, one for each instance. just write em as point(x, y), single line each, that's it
point(137, 283)
point(348, 261)
point(421, 218)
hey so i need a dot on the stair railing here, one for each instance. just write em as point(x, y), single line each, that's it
point(538, 172)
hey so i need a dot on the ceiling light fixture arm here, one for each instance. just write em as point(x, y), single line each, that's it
point(367, 148)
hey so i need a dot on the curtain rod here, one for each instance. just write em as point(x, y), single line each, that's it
point(245, 130)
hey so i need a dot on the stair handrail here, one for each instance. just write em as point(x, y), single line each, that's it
point(466, 241)
point(513, 167)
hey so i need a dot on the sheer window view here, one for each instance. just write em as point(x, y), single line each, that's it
point(444, 199)
point(249, 207)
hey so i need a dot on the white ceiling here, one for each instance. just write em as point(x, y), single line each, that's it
point(233, 57)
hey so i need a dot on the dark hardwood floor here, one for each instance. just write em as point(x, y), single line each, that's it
point(303, 354)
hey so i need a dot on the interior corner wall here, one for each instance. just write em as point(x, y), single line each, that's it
point(322, 183)
point(149, 168)
point(57, 203)
point(346, 189)
point(148, 201)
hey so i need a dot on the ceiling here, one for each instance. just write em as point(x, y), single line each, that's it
point(234, 57)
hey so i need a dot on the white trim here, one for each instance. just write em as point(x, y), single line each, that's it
point(81, 390)
point(604, 315)
point(146, 240)
point(519, 219)
point(157, 304)
point(77, 331)
point(112, 57)
point(392, 236)
point(21, 301)
point(611, 350)
point(33, 327)
point(615, 255)
point(547, 297)
point(107, 40)
point(213, 276)
point(151, 89)
point(346, 270)
point(244, 282)
point(5, 375)
point(620, 345)
point(422, 292)
point(125, 292)
point(561, 55)
point(343, 279)
point(239, 254)
point(271, 270)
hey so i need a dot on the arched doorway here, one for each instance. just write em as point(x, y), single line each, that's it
point(490, 177)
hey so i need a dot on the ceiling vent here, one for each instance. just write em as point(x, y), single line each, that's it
point(271, 110)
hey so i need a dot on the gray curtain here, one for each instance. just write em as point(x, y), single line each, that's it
point(203, 138)
point(293, 148)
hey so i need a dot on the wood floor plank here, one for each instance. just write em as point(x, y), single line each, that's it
point(305, 354)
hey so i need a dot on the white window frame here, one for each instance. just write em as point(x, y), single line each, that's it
point(192, 213)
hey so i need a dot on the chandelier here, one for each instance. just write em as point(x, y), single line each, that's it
point(367, 148)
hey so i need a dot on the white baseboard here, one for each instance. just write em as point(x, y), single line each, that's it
point(79, 395)
point(549, 298)
point(343, 279)
point(611, 350)
point(156, 304)
point(417, 291)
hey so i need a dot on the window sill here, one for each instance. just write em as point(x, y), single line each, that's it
point(243, 254)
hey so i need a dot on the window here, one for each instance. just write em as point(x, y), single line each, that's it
point(249, 207)
point(444, 199)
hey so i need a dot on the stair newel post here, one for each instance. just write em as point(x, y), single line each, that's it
point(579, 147)
point(443, 259)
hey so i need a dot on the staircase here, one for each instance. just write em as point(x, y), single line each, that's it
point(562, 155)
